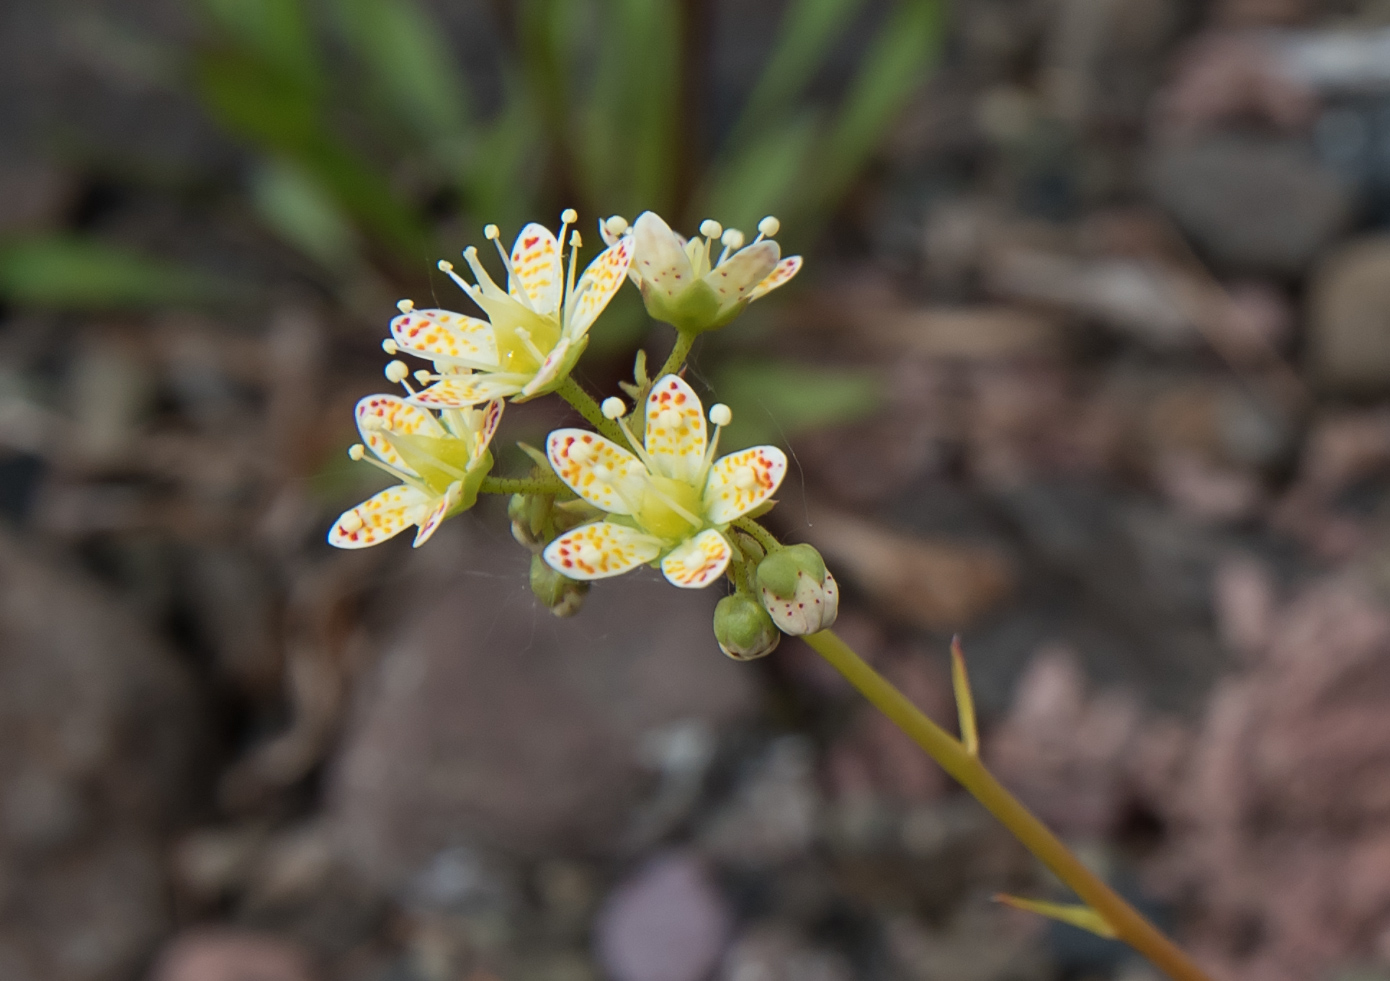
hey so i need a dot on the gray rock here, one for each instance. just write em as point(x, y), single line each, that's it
point(666, 923)
point(98, 730)
point(1256, 205)
point(493, 725)
point(1349, 318)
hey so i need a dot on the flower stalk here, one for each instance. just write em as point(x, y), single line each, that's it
point(1127, 923)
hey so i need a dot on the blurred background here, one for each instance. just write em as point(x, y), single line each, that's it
point(1090, 361)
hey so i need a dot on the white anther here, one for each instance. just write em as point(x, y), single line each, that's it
point(569, 216)
point(445, 265)
point(616, 224)
point(581, 452)
point(390, 346)
point(745, 479)
point(720, 414)
point(590, 555)
point(396, 371)
point(733, 239)
point(669, 419)
point(710, 228)
point(491, 232)
point(769, 226)
point(613, 408)
point(356, 451)
point(423, 377)
point(602, 473)
point(575, 240)
point(352, 521)
point(405, 306)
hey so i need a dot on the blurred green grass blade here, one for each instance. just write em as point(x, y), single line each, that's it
point(894, 66)
point(410, 64)
point(761, 178)
point(304, 214)
point(278, 32)
point(70, 273)
point(773, 401)
point(808, 29)
point(501, 171)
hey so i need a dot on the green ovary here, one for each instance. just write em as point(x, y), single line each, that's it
point(512, 352)
point(657, 516)
point(424, 454)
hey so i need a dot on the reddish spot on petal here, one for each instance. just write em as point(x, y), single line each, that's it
point(530, 241)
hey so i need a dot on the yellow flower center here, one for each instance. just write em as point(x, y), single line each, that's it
point(657, 515)
point(514, 353)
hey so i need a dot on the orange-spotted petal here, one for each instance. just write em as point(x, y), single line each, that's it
point(597, 286)
point(600, 550)
point(699, 561)
point(487, 428)
point(430, 523)
point(537, 270)
point(661, 260)
point(379, 412)
point(779, 276)
point(600, 471)
point(741, 481)
point(443, 334)
point(461, 391)
point(381, 516)
point(735, 278)
point(675, 438)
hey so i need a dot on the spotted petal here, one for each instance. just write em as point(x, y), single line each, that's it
point(600, 550)
point(378, 412)
point(445, 335)
point(536, 268)
point(597, 286)
point(675, 437)
point(430, 523)
point(600, 471)
point(660, 258)
point(736, 277)
point(381, 516)
point(779, 276)
point(741, 481)
point(550, 369)
point(487, 428)
point(698, 561)
point(460, 391)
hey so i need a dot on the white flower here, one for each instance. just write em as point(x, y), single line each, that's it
point(671, 500)
point(682, 282)
point(440, 462)
point(535, 329)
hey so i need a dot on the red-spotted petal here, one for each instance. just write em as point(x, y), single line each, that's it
point(430, 523)
point(378, 412)
point(600, 471)
point(741, 481)
point(779, 276)
point(549, 370)
point(597, 286)
point(537, 269)
point(675, 437)
point(699, 561)
point(660, 255)
point(600, 550)
point(446, 335)
point(741, 272)
point(461, 391)
point(487, 427)
point(381, 516)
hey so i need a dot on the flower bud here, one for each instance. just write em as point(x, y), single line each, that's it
point(563, 596)
point(798, 591)
point(528, 514)
point(743, 628)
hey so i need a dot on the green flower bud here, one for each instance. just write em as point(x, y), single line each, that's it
point(563, 596)
point(529, 514)
point(798, 591)
point(743, 628)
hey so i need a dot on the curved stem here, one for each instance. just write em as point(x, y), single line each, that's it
point(764, 537)
point(1128, 923)
point(585, 405)
point(684, 342)
point(521, 485)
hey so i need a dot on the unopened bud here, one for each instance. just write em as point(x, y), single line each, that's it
point(563, 596)
point(743, 628)
point(798, 591)
point(528, 514)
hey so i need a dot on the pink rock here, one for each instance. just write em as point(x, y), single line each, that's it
point(665, 923)
point(225, 955)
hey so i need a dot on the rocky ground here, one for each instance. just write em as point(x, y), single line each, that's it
point(1122, 279)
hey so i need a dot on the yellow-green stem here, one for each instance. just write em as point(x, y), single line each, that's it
point(759, 533)
point(684, 341)
point(521, 485)
point(585, 405)
point(1129, 924)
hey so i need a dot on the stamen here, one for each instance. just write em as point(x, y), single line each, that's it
point(390, 347)
point(721, 415)
point(767, 228)
point(405, 306)
point(400, 475)
point(581, 452)
point(447, 268)
point(513, 283)
point(470, 256)
point(356, 451)
point(732, 241)
point(351, 522)
point(424, 377)
point(745, 479)
point(637, 447)
point(396, 371)
point(613, 408)
point(525, 337)
point(666, 499)
point(616, 225)
point(711, 229)
point(575, 241)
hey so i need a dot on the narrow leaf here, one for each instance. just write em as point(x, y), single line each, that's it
point(965, 701)
point(1072, 914)
point(79, 274)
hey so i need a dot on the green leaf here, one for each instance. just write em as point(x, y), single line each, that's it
point(277, 32)
point(410, 64)
point(895, 65)
point(760, 178)
point(773, 401)
point(301, 212)
point(1083, 917)
point(80, 274)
